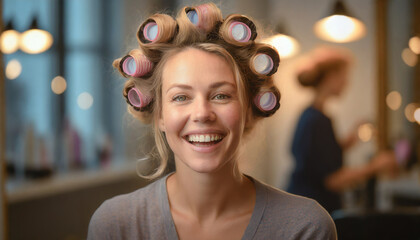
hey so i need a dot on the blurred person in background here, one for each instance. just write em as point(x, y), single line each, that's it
point(319, 172)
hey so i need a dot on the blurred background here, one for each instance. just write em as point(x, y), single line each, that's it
point(67, 143)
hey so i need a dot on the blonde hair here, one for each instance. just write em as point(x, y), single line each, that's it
point(210, 35)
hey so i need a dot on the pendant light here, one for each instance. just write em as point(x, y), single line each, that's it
point(9, 39)
point(340, 26)
point(35, 40)
point(286, 45)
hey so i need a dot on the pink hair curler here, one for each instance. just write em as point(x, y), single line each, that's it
point(137, 99)
point(151, 31)
point(263, 63)
point(202, 16)
point(136, 65)
point(239, 31)
point(265, 101)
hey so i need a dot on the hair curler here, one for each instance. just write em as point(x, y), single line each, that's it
point(267, 101)
point(135, 64)
point(137, 99)
point(204, 16)
point(159, 28)
point(238, 30)
point(265, 61)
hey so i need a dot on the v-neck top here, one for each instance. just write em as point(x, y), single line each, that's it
point(146, 214)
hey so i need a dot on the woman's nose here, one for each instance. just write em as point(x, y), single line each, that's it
point(203, 110)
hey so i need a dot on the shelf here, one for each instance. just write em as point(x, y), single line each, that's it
point(17, 191)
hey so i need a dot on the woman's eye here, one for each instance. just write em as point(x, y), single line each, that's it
point(179, 98)
point(221, 97)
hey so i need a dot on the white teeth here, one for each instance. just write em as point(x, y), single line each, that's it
point(204, 138)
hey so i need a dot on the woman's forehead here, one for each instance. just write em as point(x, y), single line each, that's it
point(197, 66)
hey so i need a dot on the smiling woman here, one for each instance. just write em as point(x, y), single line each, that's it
point(204, 84)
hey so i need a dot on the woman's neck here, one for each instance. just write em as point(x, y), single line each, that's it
point(319, 101)
point(207, 196)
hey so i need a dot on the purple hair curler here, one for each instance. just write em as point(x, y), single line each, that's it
point(263, 63)
point(137, 99)
point(136, 65)
point(265, 101)
point(151, 31)
point(239, 31)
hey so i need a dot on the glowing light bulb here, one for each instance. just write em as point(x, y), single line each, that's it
point(9, 41)
point(285, 45)
point(340, 28)
point(35, 41)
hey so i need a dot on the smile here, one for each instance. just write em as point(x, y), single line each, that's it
point(206, 139)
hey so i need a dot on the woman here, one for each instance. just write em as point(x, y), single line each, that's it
point(319, 172)
point(203, 86)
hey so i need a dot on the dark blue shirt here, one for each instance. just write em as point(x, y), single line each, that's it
point(317, 154)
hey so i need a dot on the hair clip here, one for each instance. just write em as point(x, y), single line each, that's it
point(204, 16)
point(267, 101)
point(135, 64)
point(265, 61)
point(137, 99)
point(159, 28)
point(238, 30)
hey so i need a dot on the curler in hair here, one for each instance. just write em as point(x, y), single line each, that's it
point(135, 64)
point(151, 31)
point(137, 99)
point(204, 16)
point(265, 61)
point(159, 28)
point(267, 101)
point(263, 64)
point(238, 30)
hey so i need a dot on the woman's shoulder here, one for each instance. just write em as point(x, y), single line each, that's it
point(125, 212)
point(296, 215)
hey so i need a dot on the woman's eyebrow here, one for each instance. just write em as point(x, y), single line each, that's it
point(220, 84)
point(182, 86)
point(212, 86)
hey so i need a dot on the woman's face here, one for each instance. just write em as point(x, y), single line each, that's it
point(201, 112)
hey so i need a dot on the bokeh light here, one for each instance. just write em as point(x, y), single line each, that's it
point(409, 57)
point(13, 69)
point(58, 85)
point(85, 100)
point(9, 41)
point(35, 41)
point(365, 132)
point(417, 115)
point(414, 44)
point(393, 100)
point(286, 46)
point(409, 111)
